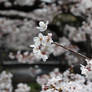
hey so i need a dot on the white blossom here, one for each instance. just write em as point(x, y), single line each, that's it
point(84, 70)
point(43, 46)
point(42, 26)
point(39, 40)
point(22, 88)
point(6, 82)
point(65, 82)
point(89, 61)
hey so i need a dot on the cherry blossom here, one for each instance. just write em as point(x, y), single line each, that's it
point(6, 82)
point(64, 82)
point(25, 57)
point(22, 88)
point(42, 26)
point(42, 46)
point(87, 68)
point(84, 70)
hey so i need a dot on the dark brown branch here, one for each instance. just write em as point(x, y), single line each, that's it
point(76, 53)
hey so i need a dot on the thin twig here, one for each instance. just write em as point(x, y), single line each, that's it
point(83, 56)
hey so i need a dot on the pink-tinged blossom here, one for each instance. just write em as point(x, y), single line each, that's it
point(26, 57)
point(42, 46)
point(64, 82)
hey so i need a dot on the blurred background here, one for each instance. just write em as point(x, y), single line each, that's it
point(70, 22)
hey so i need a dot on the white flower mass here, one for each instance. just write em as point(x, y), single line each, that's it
point(42, 26)
point(65, 82)
point(87, 68)
point(6, 82)
point(21, 87)
point(43, 46)
point(70, 24)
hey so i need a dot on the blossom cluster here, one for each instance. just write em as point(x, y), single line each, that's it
point(16, 29)
point(6, 82)
point(82, 7)
point(18, 2)
point(23, 2)
point(66, 82)
point(42, 44)
point(25, 57)
point(76, 34)
point(21, 87)
point(87, 68)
